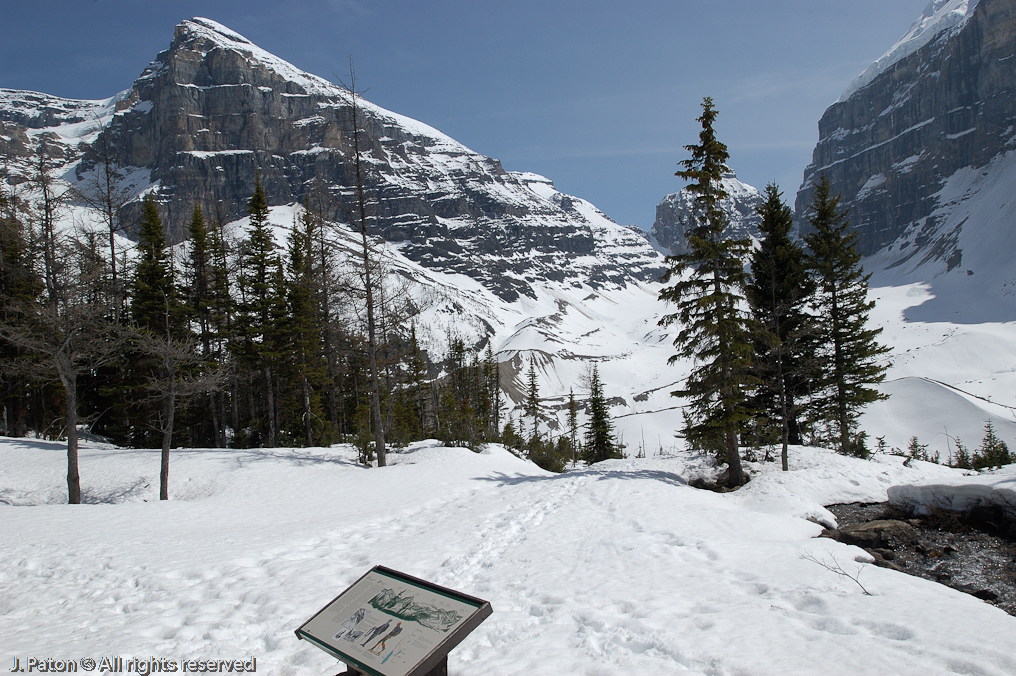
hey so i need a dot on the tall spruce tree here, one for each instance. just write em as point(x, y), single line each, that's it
point(20, 286)
point(263, 304)
point(778, 295)
point(199, 303)
point(849, 354)
point(492, 391)
point(599, 442)
point(531, 406)
point(706, 286)
point(573, 425)
point(198, 282)
point(302, 332)
point(154, 301)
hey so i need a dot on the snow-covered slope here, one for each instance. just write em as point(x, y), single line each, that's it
point(993, 489)
point(621, 568)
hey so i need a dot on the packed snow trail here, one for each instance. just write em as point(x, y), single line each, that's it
point(618, 568)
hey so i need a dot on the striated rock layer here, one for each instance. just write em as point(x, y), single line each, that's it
point(892, 146)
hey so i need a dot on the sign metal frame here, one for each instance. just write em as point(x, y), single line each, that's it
point(481, 610)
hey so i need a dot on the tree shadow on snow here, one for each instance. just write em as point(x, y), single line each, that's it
point(633, 474)
point(116, 495)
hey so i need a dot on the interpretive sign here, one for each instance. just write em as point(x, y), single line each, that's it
point(392, 624)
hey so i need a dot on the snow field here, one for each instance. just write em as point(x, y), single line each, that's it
point(617, 568)
point(946, 377)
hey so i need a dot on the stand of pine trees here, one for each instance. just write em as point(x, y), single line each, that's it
point(231, 339)
point(782, 352)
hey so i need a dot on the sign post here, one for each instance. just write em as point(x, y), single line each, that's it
point(388, 623)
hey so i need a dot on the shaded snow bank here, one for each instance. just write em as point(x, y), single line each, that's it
point(821, 477)
point(960, 493)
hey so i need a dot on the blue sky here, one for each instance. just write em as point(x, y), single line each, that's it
point(599, 96)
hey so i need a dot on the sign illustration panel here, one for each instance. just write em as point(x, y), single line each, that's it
point(391, 624)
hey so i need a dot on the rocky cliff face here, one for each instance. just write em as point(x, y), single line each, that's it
point(674, 213)
point(214, 109)
point(900, 146)
point(61, 127)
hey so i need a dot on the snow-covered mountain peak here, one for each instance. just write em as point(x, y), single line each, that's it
point(674, 212)
point(443, 205)
point(206, 35)
point(938, 17)
point(216, 30)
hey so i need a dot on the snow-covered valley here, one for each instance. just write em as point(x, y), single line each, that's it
point(618, 568)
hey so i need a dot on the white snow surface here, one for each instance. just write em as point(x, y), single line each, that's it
point(938, 17)
point(616, 568)
point(991, 489)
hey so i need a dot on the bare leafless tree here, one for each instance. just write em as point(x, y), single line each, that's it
point(63, 335)
point(65, 331)
point(359, 214)
point(106, 193)
point(180, 373)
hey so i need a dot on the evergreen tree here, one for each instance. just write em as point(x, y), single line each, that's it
point(154, 302)
point(417, 389)
point(573, 425)
point(848, 356)
point(262, 305)
point(993, 451)
point(198, 282)
point(200, 307)
point(599, 443)
point(510, 438)
point(962, 458)
point(492, 383)
point(531, 406)
point(778, 293)
point(706, 286)
point(20, 286)
point(302, 331)
point(221, 316)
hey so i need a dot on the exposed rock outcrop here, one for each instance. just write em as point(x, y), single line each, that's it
point(892, 146)
point(674, 213)
point(214, 109)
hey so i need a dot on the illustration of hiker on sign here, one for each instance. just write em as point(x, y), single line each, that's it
point(376, 631)
point(379, 647)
